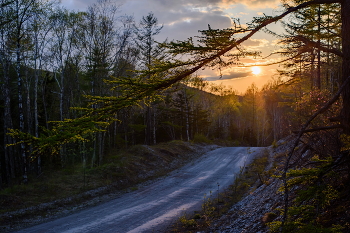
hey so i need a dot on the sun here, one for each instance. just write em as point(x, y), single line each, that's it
point(256, 70)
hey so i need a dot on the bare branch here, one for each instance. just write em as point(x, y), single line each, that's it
point(320, 128)
point(301, 132)
point(317, 45)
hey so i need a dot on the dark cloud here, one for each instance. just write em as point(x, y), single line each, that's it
point(172, 4)
point(194, 3)
point(183, 29)
point(232, 75)
point(181, 18)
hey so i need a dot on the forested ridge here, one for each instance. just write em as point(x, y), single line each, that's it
point(77, 85)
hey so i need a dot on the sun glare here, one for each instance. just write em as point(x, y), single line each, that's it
point(256, 70)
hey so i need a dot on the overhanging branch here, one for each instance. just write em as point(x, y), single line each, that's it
point(319, 46)
point(222, 52)
point(320, 128)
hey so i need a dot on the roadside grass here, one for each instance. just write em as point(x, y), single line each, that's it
point(121, 170)
point(218, 202)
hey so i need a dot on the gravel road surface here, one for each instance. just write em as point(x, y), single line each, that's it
point(154, 207)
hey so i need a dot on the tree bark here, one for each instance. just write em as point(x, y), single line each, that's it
point(345, 16)
point(148, 130)
point(318, 79)
point(19, 24)
point(8, 151)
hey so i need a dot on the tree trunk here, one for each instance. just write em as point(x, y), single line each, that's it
point(28, 109)
point(154, 128)
point(62, 96)
point(20, 97)
point(187, 112)
point(318, 79)
point(36, 117)
point(43, 91)
point(345, 15)
point(8, 151)
point(148, 130)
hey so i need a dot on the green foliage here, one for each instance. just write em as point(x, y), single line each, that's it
point(209, 43)
point(311, 102)
point(314, 194)
point(63, 132)
point(188, 223)
point(200, 138)
point(345, 140)
point(274, 144)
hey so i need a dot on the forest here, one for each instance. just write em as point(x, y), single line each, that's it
point(76, 85)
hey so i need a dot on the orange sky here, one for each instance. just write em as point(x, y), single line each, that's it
point(241, 84)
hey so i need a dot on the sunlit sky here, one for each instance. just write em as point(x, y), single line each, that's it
point(183, 18)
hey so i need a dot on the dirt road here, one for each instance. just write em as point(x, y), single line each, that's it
point(153, 207)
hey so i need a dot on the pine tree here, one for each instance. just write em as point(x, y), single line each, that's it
point(149, 52)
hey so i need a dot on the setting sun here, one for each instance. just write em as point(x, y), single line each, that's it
point(256, 70)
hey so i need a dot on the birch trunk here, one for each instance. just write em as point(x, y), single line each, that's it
point(19, 24)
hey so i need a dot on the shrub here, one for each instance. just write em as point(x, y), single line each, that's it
point(200, 138)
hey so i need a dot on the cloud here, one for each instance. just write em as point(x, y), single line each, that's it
point(261, 4)
point(275, 42)
point(256, 43)
point(183, 18)
point(231, 75)
point(143, 6)
point(78, 4)
point(185, 27)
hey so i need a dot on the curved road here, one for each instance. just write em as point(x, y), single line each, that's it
point(153, 207)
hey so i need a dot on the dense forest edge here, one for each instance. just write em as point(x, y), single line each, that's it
point(78, 86)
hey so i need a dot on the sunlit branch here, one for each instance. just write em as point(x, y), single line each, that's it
point(222, 52)
point(273, 63)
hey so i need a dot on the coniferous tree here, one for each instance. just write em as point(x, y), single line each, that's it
point(149, 52)
point(312, 31)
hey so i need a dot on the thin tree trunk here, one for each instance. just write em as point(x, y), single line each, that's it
point(43, 91)
point(8, 151)
point(154, 129)
point(318, 80)
point(148, 130)
point(20, 96)
point(312, 71)
point(102, 143)
point(28, 109)
point(345, 13)
point(187, 112)
point(36, 120)
point(62, 96)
